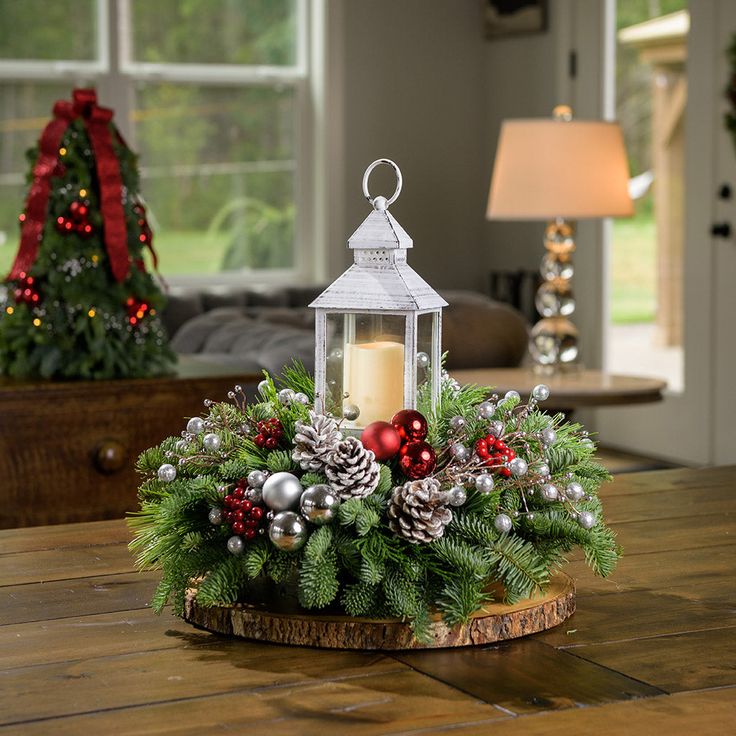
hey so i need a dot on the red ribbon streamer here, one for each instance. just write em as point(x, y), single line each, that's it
point(97, 122)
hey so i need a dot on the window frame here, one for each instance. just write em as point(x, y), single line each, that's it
point(114, 73)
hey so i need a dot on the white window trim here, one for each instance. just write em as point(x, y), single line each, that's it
point(114, 73)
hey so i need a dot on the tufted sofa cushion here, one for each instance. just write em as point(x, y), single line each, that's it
point(256, 331)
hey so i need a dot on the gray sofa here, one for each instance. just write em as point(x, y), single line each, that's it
point(257, 330)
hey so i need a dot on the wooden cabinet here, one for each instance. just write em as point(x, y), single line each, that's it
point(68, 449)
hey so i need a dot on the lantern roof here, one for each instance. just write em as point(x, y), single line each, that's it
point(380, 279)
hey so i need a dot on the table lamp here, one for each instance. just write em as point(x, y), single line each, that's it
point(560, 170)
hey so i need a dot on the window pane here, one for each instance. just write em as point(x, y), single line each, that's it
point(218, 175)
point(261, 32)
point(25, 108)
point(43, 30)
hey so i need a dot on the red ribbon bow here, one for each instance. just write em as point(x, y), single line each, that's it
point(97, 121)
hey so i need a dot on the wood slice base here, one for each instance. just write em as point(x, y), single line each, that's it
point(495, 622)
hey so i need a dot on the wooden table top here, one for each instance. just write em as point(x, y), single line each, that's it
point(653, 647)
point(570, 390)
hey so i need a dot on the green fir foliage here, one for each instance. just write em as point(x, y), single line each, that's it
point(357, 564)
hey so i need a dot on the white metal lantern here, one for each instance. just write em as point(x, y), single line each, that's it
point(378, 326)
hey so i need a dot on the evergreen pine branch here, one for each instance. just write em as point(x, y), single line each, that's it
point(297, 378)
point(280, 461)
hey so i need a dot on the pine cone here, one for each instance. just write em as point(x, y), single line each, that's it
point(315, 442)
point(418, 512)
point(352, 470)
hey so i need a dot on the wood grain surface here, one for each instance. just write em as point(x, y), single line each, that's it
point(651, 650)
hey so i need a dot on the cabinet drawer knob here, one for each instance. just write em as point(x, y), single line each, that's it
point(110, 457)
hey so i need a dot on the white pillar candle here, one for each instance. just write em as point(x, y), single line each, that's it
point(374, 379)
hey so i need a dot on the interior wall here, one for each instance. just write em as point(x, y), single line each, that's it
point(413, 90)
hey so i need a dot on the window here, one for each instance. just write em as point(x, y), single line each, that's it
point(213, 94)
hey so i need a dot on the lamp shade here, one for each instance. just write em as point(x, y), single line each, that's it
point(547, 168)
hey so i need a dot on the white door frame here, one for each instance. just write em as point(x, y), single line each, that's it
point(679, 428)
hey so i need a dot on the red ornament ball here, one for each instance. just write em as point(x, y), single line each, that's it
point(383, 439)
point(410, 424)
point(417, 459)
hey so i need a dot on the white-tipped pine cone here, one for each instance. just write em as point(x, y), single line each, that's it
point(418, 511)
point(352, 470)
point(315, 442)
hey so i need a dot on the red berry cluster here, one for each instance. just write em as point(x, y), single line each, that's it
point(25, 292)
point(243, 515)
point(270, 433)
point(136, 309)
point(496, 453)
point(76, 220)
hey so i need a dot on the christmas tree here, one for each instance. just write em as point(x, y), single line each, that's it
point(78, 302)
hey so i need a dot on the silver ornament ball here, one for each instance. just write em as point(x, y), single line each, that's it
point(549, 436)
point(181, 446)
point(254, 495)
point(288, 531)
point(215, 516)
point(286, 396)
point(457, 496)
point(422, 360)
point(460, 452)
point(495, 428)
point(457, 423)
point(530, 516)
point(484, 483)
point(540, 392)
point(301, 398)
point(574, 491)
point(256, 478)
point(211, 442)
point(282, 491)
point(319, 504)
point(167, 473)
point(586, 519)
point(550, 492)
point(518, 467)
point(195, 425)
point(486, 410)
point(511, 396)
point(503, 523)
point(235, 546)
point(263, 387)
point(542, 469)
point(351, 412)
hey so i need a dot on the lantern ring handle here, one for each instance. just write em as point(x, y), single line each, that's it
point(381, 203)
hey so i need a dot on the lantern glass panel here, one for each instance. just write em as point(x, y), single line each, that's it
point(373, 375)
point(428, 358)
point(334, 363)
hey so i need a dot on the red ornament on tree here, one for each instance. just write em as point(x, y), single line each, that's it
point(417, 459)
point(383, 439)
point(76, 220)
point(410, 424)
point(26, 292)
point(136, 309)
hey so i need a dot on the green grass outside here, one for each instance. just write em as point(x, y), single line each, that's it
point(634, 270)
point(633, 285)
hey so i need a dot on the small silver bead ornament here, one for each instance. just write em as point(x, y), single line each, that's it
point(518, 467)
point(215, 516)
point(195, 425)
point(235, 546)
point(540, 392)
point(484, 483)
point(211, 442)
point(503, 523)
point(512, 396)
point(288, 531)
point(550, 492)
point(422, 360)
point(486, 410)
point(457, 496)
point(495, 428)
point(586, 519)
point(256, 478)
point(319, 504)
point(351, 412)
point(166, 473)
point(286, 396)
point(263, 387)
point(574, 491)
point(460, 452)
point(300, 398)
point(549, 436)
point(457, 423)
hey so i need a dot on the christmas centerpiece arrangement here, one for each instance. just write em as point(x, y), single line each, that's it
point(78, 302)
point(381, 491)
